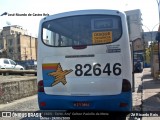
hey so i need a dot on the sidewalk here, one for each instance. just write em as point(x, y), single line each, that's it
point(137, 95)
point(150, 94)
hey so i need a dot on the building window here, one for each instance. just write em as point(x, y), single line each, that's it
point(16, 33)
point(19, 50)
point(1, 46)
point(12, 31)
point(134, 17)
point(10, 42)
point(10, 50)
point(18, 40)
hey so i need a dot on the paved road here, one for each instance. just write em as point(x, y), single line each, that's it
point(151, 95)
point(145, 97)
point(137, 95)
point(25, 104)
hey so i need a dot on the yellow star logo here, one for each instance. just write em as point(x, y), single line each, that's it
point(60, 75)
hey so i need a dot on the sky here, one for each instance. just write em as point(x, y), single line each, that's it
point(149, 10)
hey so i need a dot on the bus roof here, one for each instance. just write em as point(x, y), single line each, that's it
point(82, 12)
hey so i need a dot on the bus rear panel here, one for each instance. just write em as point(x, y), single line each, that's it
point(84, 61)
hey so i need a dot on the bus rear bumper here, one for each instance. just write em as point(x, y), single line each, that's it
point(120, 102)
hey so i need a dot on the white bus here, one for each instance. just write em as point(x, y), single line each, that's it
point(84, 61)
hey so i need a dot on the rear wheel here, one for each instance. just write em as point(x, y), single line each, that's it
point(22, 74)
point(21, 68)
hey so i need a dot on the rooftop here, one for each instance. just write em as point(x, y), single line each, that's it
point(15, 26)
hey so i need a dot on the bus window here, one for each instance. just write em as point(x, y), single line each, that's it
point(82, 30)
point(55, 39)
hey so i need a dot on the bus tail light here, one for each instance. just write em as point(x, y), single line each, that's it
point(40, 86)
point(126, 86)
point(42, 104)
point(123, 104)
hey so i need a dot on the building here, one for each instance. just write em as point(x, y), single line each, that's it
point(135, 30)
point(17, 44)
point(28, 47)
point(134, 21)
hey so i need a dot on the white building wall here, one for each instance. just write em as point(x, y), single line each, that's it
point(134, 24)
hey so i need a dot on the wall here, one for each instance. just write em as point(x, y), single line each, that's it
point(134, 24)
point(28, 47)
point(13, 90)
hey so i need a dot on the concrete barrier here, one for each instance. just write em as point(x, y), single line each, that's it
point(20, 72)
point(17, 88)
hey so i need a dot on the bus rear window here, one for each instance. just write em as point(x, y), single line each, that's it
point(82, 30)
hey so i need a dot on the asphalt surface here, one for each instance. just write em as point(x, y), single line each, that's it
point(150, 96)
point(25, 104)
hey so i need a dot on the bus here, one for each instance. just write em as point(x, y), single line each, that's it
point(84, 61)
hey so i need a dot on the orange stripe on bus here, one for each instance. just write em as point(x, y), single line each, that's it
point(49, 66)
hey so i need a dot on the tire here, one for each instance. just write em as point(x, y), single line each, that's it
point(22, 74)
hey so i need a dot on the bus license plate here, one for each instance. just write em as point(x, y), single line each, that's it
point(81, 104)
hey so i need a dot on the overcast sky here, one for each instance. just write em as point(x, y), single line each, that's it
point(149, 10)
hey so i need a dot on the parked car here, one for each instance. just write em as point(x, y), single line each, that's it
point(6, 63)
point(30, 65)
